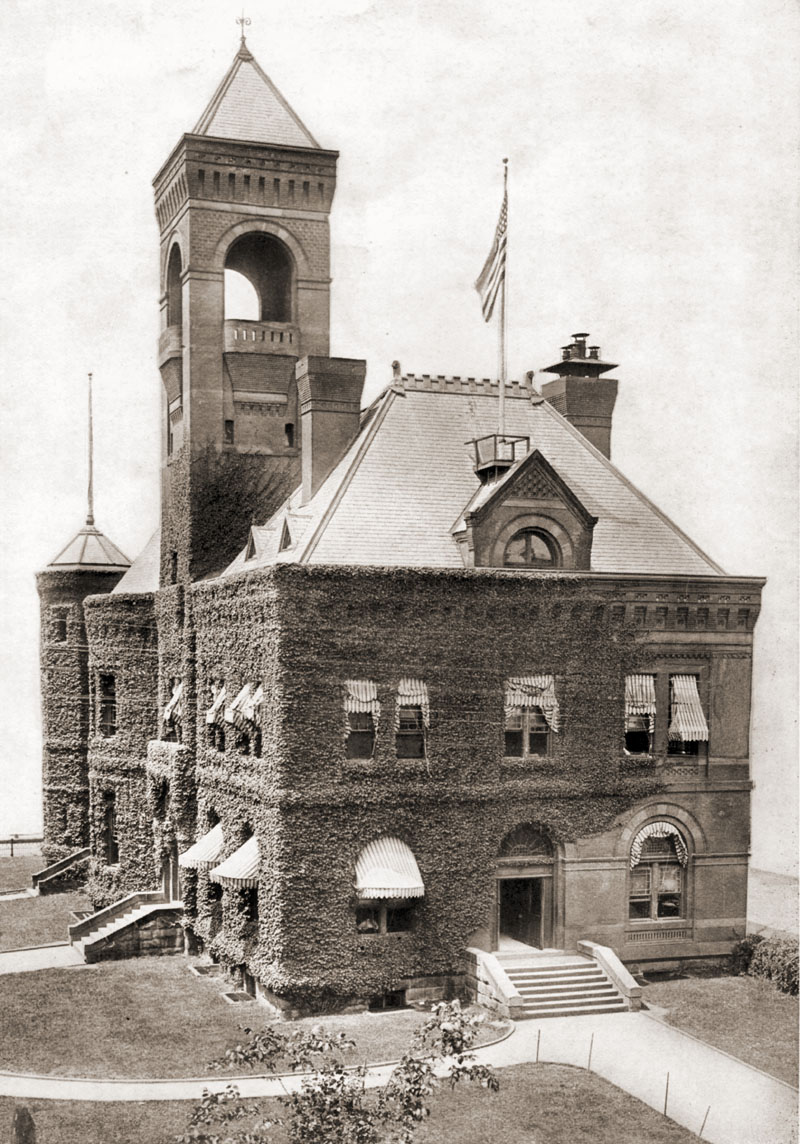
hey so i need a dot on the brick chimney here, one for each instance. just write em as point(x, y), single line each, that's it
point(579, 393)
point(329, 398)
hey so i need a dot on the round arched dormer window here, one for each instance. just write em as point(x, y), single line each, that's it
point(532, 548)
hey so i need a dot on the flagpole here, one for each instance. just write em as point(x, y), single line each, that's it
point(90, 513)
point(501, 408)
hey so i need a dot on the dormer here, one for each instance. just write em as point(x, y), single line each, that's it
point(529, 520)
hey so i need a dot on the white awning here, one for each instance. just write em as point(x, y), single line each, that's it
point(640, 697)
point(240, 871)
point(533, 691)
point(245, 711)
point(387, 868)
point(659, 830)
point(205, 852)
point(687, 722)
point(216, 710)
point(173, 712)
point(361, 695)
point(413, 693)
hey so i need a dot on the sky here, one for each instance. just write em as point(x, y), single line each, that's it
point(652, 201)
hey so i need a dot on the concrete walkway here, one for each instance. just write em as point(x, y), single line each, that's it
point(57, 956)
point(632, 1050)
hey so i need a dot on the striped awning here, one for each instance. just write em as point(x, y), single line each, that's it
point(205, 852)
point(173, 712)
point(659, 830)
point(361, 695)
point(533, 691)
point(216, 710)
point(413, 693)
point(387, 868)
point(245, 711)
point(240, 871)
point(687, 722)
point(640, 697)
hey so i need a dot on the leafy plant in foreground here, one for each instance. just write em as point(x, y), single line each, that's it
point(332, 1105)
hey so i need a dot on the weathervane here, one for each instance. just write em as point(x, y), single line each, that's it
point(244, 21)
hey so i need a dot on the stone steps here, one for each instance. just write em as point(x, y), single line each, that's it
point(561, 988)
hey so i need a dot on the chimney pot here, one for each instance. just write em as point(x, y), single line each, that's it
point(396, 371)
point(594, 352)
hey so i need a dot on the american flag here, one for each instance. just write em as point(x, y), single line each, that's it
point(493, 275)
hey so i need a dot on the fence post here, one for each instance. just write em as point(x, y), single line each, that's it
point(591, 1046)
point(11, 840)
point(538, 1042)
point(666, 1095)
point(705, 1118)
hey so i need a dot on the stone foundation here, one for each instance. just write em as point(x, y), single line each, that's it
point(160, 933)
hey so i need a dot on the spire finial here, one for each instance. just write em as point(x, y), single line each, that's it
point(90, 512)
point(244, 22)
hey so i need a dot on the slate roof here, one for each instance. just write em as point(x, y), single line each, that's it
point(407, 478)
point(248, 106)
point(90, 549)
point(143, 574)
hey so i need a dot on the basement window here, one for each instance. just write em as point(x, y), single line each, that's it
point(107, 691)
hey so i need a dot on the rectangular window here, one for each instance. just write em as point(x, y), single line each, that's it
point(362, 710)
point(687, 722)
point(110, 828)
point(411, 719)
point(743, 619)
point(247, 186)
point(58, 622)
point(702, 619)
point(228, 432)
point(107, 690)
point(682, 618)
point(306, 189)
point(661, 617)
point(639, 902)
point(640, 713)
point(361, 734)
point(216, 182)
point(640, 617)
point(722, 618)
point(410, 733)
point(531, 714)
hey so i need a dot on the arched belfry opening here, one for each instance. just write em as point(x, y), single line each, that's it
point(266, 264)
point(525, 898)
point(174, 288)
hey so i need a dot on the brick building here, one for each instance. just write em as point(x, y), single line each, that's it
point(389, 685)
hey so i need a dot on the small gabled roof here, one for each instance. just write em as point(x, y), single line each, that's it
point(90, 550)
point(248, 106)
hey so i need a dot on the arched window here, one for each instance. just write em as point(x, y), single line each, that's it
point(532, 548)
point(526, 841)
point(659, 857)
point(267, 266)
point(174, 289)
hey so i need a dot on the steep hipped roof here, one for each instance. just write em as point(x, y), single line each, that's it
point(248, 106)
point(407, 478)
point(90, 550)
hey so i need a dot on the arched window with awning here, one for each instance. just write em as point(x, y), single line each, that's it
point(659, 857)
point(387, 885)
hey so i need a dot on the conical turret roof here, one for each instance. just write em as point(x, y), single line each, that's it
point(248, 106)
point(90, 550)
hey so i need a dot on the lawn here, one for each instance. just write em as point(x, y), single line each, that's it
point(744, 1016)
point(37, 921)
point(15, 873)
point(537, 1104)
point(151, 1017)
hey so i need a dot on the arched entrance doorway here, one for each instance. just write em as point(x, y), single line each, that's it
point(524, 876)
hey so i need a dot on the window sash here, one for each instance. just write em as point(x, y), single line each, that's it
point(527, 733)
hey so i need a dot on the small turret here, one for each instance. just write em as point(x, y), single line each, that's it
point(88, 565)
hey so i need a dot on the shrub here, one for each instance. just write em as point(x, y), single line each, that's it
point(776, 959)
point(743, 952)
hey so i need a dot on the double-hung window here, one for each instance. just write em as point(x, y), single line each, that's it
point(657, 881)
point(362, 711)
point(688, 728)
point(107, 691)
point(531, 715)
point(640, 713)
point(412, 718)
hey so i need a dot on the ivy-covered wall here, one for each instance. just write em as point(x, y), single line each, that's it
point(65, 706)
point(302, 631)
point(123, 642)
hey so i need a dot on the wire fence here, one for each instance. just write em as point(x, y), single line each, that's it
point(18, 845)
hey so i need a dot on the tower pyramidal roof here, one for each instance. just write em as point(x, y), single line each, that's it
point(89, 550)
point(248, 106)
